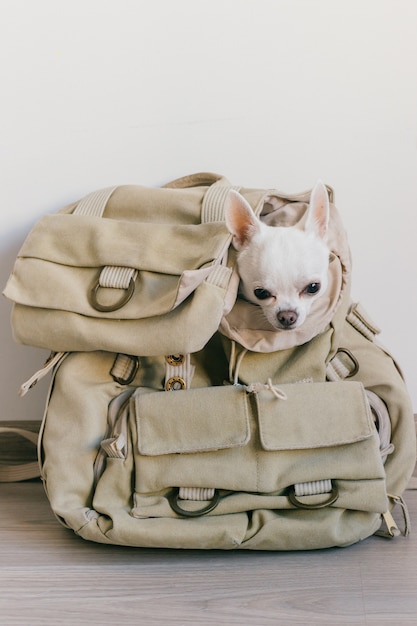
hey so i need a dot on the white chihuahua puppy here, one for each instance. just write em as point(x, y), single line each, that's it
point(281, 269)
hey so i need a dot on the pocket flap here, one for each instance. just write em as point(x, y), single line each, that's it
point(314, 415)
point(193, 420)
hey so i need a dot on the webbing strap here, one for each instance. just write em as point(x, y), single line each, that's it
point(116, 277)
point(212, 208)
point(115, 447)
point(220, 276)
point(111, 276)
point(313, 488)
point(360, 320)
point(124, 368)
point(95, 203)
point(343, 365)
point(54, 360)
point(214, 201)
point(199, 494)
point(178, 372)
point(23, 471)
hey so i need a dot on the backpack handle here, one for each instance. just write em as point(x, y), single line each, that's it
point(201, 179)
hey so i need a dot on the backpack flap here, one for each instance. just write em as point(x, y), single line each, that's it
point(110, 258)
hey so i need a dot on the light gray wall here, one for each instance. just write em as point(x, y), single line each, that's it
point(270, 93)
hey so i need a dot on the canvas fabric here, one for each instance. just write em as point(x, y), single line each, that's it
point(176, 421)
point(176, 240)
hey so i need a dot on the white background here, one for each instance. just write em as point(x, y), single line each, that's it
point(270, 93)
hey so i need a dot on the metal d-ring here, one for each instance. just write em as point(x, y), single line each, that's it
point(333, 496)
point(128, 293)
point(173, 503)
point(354, 360)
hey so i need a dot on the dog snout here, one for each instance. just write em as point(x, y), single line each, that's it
point(287, 318)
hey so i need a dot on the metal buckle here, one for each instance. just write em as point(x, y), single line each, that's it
point(129, 372)
point(173, 503)
point(128, 293)
point(355, 362)
point(333, 496)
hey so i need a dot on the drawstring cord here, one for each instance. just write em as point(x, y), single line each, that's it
point(238, 364)
point(234, 366)
point(269, 386)
point(235, 363)
point(232, 360)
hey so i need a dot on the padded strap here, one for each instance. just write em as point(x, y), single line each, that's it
point(23, 471)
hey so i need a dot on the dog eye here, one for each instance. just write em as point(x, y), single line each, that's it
point(262, 294)
point(312, 288)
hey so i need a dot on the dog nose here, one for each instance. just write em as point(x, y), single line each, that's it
point(287, 318)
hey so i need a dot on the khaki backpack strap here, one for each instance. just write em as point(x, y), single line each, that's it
point(23, 471)
point(214, 202)
point(359, 319)
point(95, 203)
point(113, 277)
point(178, 372)
point(343, 365)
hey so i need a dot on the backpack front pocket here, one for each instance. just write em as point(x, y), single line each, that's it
point(221, 450)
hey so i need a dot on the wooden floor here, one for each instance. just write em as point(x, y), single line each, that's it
point(49, 576)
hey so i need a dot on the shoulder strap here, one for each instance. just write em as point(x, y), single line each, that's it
point(23, 471)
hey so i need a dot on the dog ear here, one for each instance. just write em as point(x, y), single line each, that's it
point(318, 211)
point(241, 221)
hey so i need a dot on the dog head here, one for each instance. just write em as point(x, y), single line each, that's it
point(281, 269)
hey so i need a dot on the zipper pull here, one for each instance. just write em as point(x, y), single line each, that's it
point(392, 528)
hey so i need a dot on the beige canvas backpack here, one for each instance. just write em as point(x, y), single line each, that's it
point(174, 420)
